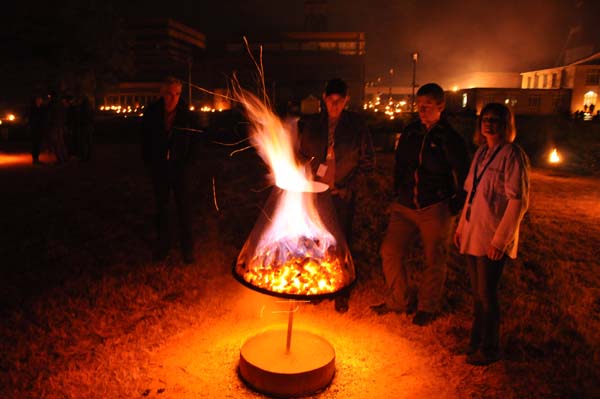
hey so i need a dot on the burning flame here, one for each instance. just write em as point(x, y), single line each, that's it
point(554, 157)
point(295, 254)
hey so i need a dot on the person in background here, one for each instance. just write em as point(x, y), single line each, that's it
point(431, 165)
point(488, 229)
point(56, 122)
point(337, 146)
point(37, 116)
point(85, 129)
point(169, 149)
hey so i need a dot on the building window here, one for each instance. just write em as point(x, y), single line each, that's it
point(590, 98)
point(535, 100)
point(464, 100)
point(557, 102)
point(592, 77)
point(554, 83)
point(529, 82)
point(536, 81)
point(545, 80)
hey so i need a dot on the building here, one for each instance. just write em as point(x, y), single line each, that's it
point(296, 64)
point(160, 47)
point(582, 77)
point(483, 79)
point(521, 101)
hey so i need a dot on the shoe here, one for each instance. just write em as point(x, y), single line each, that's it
point(341, 304)
point(160, 255)
point(466, 350)
point(423, 318)
point(383, 309)
point(482, 358)
point(189, 258)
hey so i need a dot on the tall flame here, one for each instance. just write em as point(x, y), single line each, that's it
point(296, 253)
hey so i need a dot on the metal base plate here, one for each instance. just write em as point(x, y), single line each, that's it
point(267, 367)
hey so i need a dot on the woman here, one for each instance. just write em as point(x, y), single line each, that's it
point(488, 229)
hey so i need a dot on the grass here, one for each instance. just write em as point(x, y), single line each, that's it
point(86, 314)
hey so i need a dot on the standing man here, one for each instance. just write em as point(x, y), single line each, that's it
point(168, 150)
point(37, 116)
point(338, 148)
point(431, 165)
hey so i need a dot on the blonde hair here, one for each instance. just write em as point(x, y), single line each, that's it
point(507, 119)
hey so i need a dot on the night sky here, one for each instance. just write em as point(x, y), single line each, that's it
point(453, 37)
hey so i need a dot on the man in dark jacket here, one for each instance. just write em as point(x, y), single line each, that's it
point(432, 162)
point(169, 150)
point(338, 147)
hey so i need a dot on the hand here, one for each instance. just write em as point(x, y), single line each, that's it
point(494, 253)
point(457, 239)
point(343, 193)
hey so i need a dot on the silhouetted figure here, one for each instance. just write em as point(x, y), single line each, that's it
point(488, 229)
point(431, 164)
point(37, 118)
point(338, 146)
point(56, 128)
point(71, 126)
point(169, 150)
point(85, 129)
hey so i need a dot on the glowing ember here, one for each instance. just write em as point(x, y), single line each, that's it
point(554, 157)
point(301, 273)
point(291, 250)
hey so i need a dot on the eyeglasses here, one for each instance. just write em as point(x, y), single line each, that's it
point(491, 119)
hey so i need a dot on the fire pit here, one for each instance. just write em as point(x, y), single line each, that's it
point(297, 251)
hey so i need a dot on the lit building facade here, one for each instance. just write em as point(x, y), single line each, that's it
point(521, 101)
point(582, 77)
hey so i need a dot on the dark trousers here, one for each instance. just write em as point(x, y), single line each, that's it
point(485, 275)
point(36, 144)
point(85, 143)
point(344, 209)
point(168, 177)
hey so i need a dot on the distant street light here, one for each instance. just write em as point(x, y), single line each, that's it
point(391, 81)
point(415, 57)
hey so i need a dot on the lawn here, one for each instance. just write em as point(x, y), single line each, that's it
point(87, 314)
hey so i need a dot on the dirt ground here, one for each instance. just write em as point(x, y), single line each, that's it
point(87, 314)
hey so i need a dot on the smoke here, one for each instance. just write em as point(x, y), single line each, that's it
point(455, 37)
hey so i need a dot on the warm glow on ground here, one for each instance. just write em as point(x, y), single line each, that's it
point(22, 159)
point(372, 361)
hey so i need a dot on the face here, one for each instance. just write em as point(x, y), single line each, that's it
point(492, 125)
point(335, 104)
point(171, 94)
point(429, 109)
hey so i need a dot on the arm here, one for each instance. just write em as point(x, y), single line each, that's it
point(516, 188)
point(459, 160)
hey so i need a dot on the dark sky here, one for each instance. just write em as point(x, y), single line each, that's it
point(452, 36)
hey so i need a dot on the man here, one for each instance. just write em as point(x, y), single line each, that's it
point(431, 165)
point(338, 148)
point(168, 150)
point(37, 116)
